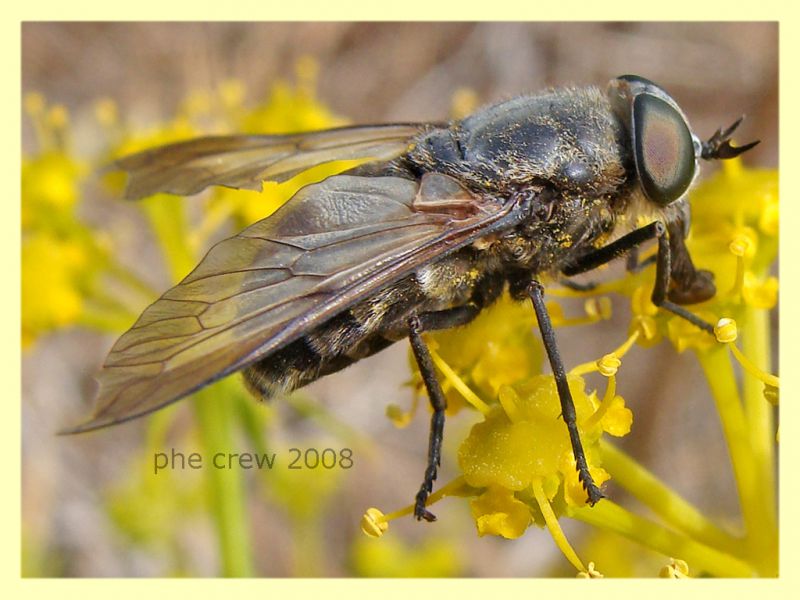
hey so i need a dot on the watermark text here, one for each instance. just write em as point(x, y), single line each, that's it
point(294, 459)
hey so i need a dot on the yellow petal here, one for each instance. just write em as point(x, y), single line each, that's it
point(498, 512)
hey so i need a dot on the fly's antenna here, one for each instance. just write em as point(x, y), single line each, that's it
point(719, 145)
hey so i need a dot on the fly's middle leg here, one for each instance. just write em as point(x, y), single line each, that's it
point(536, 292)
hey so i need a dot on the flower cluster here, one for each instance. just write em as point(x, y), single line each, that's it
point(55, 248)
point(517, 463)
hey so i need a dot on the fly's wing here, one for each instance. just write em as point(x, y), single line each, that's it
point(245, 161)
point(335, 243)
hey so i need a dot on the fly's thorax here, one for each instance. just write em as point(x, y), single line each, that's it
point(567, 139)
point(558, 229)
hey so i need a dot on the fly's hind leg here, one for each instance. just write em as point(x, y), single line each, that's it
point(416, 325)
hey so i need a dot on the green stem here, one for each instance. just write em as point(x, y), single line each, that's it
point(307, 555)
point(716, 364)
point(214, 415)
point(761, 425)
point(226, 487)
point(551, 521)
point(664, 501)
point(168, 220)
point(701, 558)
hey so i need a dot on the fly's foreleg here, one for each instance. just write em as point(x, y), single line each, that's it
point(416, 325)
point(660, 295)
point(536, 292)
point(632, 265)
point(661, 288)
point(627, 244)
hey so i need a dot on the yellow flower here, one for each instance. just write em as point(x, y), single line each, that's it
point(292, 108)
point(523, 440)
point(498, 348)
point(152, 509)
point(617, 419)
point(389, 557)
point(60, 254)
point(676, 569)
point(51, 273)
point(288, 109)
point(685, 336)
point(373, 523)
point(130, 142)
point(51, 177)
point(498, 512)
point(760, 293)
point(734, 234)
point(49, 184)
point(738, 196)
point(737, 203)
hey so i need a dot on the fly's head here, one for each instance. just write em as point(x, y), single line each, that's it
point(666, 156)
point(666, 153)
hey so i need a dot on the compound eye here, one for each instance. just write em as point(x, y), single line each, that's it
point(663, 149)
point(637, 79)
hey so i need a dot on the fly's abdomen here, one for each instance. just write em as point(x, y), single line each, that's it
point(355, 333)
point(325, 350)
point(371, 325)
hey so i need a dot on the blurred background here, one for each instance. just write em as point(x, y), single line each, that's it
point(91, 506)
